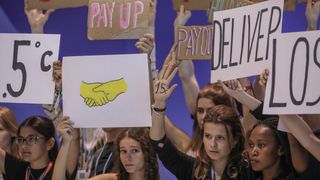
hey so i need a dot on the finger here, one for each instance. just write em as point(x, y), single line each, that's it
point(181, 9)
point(173, 87)
point(223, 85)
point(172, 75)
point(162, 72)
point(149, 36)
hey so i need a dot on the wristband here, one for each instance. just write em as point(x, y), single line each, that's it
point(159, 109)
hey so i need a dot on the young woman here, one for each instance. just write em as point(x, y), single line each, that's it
point(134, 157)
point(220, 154)
point(38, 150)
point(268, 150)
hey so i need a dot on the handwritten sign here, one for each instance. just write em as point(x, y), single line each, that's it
point(293, 86)
point(109, 19)
point(26, 67)
point(194, 42)
point(241, 40)
point(289, 5)
point(192, 4)
point(107, 91)
point(55, 4)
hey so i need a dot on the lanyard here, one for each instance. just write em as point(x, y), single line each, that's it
point(28, 172)
point(213, 176)
point(98, 158)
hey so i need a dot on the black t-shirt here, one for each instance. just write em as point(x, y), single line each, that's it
point(102, 160)
point(16, 169)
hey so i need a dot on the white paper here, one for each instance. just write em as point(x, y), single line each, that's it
point(128, 109)
point(24, 65)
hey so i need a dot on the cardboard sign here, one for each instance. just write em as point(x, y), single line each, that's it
point(26, 67)
point(293, 86)
point(218, 5)
point(289, 5)
point(194, 42)
point(192, 4)
point(107, 91)
point(55, 4)
point(123, 19)
point(241, 40)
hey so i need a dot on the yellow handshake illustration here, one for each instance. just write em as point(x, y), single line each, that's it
point(99, 94)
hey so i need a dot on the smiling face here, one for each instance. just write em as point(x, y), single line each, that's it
point(216, 141)
point(264, 152)
point(36, 151)
point(203, 105)
point(131, 155)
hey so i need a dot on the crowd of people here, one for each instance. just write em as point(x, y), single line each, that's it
point(231, 138)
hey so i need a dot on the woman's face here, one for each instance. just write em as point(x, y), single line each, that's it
point(34, 147)
point(264, 152)
point(131, 155)
point(216, 141)
point(203, 105)
point(5, 139)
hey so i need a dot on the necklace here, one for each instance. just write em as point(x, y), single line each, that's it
point(29, 173)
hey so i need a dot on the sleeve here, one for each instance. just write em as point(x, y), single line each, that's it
point(312, 171)
point(257, 113)
point(14, 167)
point(178, 163)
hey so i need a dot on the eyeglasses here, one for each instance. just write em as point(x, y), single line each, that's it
point(30, 140)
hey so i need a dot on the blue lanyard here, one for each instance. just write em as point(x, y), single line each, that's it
point(98, 158)
point(213, 176)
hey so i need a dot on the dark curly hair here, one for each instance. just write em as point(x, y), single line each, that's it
point(141, 135)
point(228, 117)
point(218, 96)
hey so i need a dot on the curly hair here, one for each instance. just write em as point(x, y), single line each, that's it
point(218, 96)
point(141, 135)
point(228, 117)
point(281, 140)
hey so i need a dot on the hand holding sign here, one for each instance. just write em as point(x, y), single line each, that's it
point(36, 18)
point(312, 14)
point(182, 17)
point(146, 44)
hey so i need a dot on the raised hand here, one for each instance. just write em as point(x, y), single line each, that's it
point(312, 14)
point(112, 89)
point(264, 78)
point(146, 44)
point(57, 74)
point(182, 17)
point(92, 98)
point(161, 83)
point(65, 128)
point(232, 87)
point(37, 18)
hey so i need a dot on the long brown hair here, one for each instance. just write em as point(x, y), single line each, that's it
point(218, 96)
point(10, 124)
point(141, 135)
point(228, 117)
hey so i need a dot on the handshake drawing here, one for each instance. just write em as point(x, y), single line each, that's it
point(99, 94)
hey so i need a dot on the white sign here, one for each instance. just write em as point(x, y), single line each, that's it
point(293, 84)
point(242, 37)
point(107, 90)
point(26, 67)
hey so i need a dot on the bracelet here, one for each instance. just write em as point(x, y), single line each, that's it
point(57, 92)
point(159, 109)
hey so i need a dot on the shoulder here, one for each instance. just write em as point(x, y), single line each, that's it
point(108, 176)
